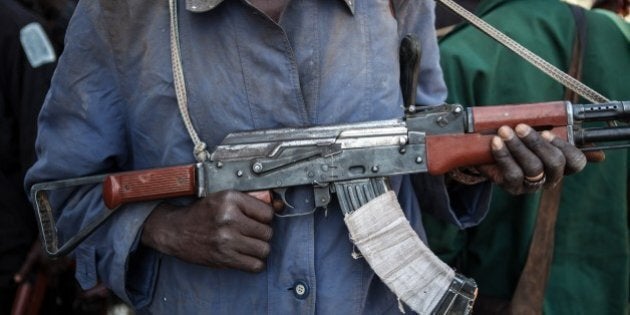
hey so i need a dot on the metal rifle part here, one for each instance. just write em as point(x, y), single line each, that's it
point(182, 183)
point(46, 217)
point(459, 298)
point(611, 111)
point(601, 111)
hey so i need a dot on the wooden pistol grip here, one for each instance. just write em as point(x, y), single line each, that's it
point(151, 184)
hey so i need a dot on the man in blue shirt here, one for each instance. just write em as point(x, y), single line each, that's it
point(247, 66)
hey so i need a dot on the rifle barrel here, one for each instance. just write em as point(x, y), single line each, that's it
point(602, 111)
point(603, 134)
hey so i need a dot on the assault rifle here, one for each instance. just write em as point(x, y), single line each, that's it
point(350, 160)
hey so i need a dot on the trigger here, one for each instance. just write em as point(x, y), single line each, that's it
point(282, 192)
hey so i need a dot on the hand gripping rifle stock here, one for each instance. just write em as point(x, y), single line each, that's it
point(339, 159)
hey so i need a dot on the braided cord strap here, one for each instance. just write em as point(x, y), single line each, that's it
point(200, 152)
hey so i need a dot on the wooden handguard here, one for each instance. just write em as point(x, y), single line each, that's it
point(538, 115)
point(152, 184)
point(447, 152)
point(450, 151)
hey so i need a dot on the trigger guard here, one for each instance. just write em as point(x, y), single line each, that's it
point(282, 192)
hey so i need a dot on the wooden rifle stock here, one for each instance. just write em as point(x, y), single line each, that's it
point(158, 183)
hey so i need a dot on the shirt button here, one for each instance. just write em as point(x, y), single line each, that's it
point(300, 289)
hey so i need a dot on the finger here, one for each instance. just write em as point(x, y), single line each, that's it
point(277, 205)
point(531, 165)
point(575, 159)
point(552, 158)
point(255, 209)
point(512, 174)
point(245, 262)
point(252, 247)
point(267, 197)
point(255, 229)
point(492, 172)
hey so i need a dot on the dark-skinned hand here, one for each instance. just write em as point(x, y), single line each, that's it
point(226, 229)
point(527, 160)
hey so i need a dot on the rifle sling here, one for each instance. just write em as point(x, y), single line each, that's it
point(527, 55)
point(530, 291)
point(529, 295)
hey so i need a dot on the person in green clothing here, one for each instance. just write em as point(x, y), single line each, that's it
point(589, 273)
point(619, 7)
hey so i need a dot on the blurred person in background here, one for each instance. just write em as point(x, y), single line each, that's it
point(28, 60)
point(589, 270)
point(31, 37)
point(619, 7)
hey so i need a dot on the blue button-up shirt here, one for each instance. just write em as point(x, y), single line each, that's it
point(112, 107)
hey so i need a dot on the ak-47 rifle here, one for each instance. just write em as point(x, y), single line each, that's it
point(350, 160)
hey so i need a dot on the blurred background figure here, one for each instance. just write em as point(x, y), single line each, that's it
point(619, 7)
point(27, 62)
point(589, 259)
point(31, 37)
point(446, 20)
point(54, 16)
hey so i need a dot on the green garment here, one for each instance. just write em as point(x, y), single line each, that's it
point(590, 269)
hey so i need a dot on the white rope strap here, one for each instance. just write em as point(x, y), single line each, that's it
point(393, 249)
point(200, 152)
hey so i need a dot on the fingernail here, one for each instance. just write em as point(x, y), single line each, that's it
point(522, 130)
point(497, 143)
point(506, 133)
point(547, 135)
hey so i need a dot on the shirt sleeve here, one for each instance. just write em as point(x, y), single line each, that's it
point(462, 205)
point(82, 132)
